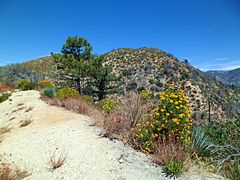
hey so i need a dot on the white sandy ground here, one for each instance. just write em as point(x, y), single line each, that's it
point(56, 130)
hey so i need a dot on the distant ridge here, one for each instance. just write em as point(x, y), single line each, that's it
point(227, 77)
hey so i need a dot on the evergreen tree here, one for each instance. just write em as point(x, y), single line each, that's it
point(73, 60)
point(103, 80)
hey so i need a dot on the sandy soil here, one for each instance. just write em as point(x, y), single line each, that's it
point(54, 130)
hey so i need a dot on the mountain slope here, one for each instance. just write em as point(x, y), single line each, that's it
point(148, 68)
point(227, 77)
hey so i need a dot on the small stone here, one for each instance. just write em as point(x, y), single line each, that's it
point(120, 160)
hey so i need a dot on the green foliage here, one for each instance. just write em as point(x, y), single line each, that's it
point(88, 99)
point(76, 52)
point(22, 83)
point(169, 120)
point(174, 168)
point(45, 83)
point(25, 85)
point(103, 78)
point(29, 86)
point(108, 105)
point(14, 72)
point(49, 92)
point(4, 97)
point(68, 93)
point(200, 143)
point(227, 133)
point(232, 171)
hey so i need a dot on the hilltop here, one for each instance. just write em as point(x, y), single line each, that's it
point(149, 68)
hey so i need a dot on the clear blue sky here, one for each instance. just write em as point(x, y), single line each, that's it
point(207, 32)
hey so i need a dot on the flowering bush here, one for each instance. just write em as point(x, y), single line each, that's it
point(146, 95)
point(169, 120)
point(68, 93)
point(45, 83)
point(108, 105)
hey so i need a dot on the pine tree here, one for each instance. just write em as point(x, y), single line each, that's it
point(103, 80)
point(73, 60)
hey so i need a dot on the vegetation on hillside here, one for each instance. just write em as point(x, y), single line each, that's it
point(144, 97)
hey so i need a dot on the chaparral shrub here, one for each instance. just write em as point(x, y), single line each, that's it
point(25, 85)
point(174, 168)
point(68, 93)
point(44, 84)
point(169, 120)
point(108, 105)
point(49, 92)
point(4, 96)
point(21, 83)
point(88, 99)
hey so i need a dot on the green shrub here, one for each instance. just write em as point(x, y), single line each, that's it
point(232, 170)
point(174, 168)
point(25, 85)
point(169, 120)
point(108, 105)
point(45, 83)
point(4, 97)
point(68, 93)
point(49, 92)
point(29, 86)
point(227, 133)
point(22, 83)
point(88, 99)
point(200, 143)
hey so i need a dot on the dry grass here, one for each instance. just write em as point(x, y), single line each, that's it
point(113, 125)
point(133, 107)
point(57, 160)
point(26, 122)
point(78, 106)
point(9, 173)
point(7, 87)
point(118, 124)
point(167, 151)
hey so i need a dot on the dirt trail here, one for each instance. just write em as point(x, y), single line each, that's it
point(53, 129)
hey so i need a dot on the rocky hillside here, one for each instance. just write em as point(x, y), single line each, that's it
point(227, 77)
point(148, 68)
point(34, 70)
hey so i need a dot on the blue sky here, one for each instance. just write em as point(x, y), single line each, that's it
point(207, 32)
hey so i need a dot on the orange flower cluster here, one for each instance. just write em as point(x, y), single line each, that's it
point(169, 120)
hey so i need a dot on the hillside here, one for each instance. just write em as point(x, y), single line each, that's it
point(227, 77)
point(148, 68)
point(54, 132)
